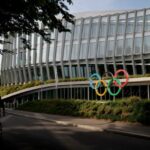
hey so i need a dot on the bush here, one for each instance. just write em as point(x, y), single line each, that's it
point(134, 99)
point(118, 110)
point(142, 112)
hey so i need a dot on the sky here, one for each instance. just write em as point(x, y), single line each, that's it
point(94, 5)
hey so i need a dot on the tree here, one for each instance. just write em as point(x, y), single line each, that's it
point(23, 16)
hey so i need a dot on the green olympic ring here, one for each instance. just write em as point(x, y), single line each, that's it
point(114, 80)
point(110, 82)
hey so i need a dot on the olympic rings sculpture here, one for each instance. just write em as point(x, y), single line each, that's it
point(114, 80)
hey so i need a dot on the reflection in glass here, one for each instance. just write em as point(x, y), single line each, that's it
point(83, 71)
point(112, 28)
point(100, 50)
point(66, 52)
point(74, 71)
point(119, 47)
point(110, 48)
point(103, 27)
point(130, 25)
point(68, 34)
point(147, 23)
point(85, 31)
point(59, 72)
point(91, 69)
point(121, 26)
point(92, 50)
point(38, 49)
point(83, 50)
point(66, 71)
point(137, 45)
point(58, 53)
point(44, 52)
point(77, 32)
point(51, 51)
point(139, 24)
point(147, 44)
point(45, 77)
point(94, 29)
point(51, 71)
point(128, 46)
point(74, 54)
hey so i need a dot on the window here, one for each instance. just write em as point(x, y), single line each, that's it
point(147, 44)
point(60, 35)
point(130, 25)
point(147, 23)
point(44, 52)
point(139, 24)
point(77, 31)
point(110, 48)
point(66, 71)
point(94, 30)
point(51, 51)
point(121, 27)
point(83, 71)
point(103, 27)
point(66, 52)
point(85, 31)
point(74, 54)
point(112, 26)
point(83, 51)
point(100, 50)
point(119, 47)
point(59, 72)
point(45, 77)
point(38, 49)
point(74, 71)
point(68, 34)
point(137, 45)
point(33, 41)
point(51, 71)
point(128, 46)
point(58, 53)
point(92, 50)
point(39, 76)
point(92, 69)
point(32, 58)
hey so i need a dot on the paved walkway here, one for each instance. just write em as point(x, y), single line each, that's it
point(132, 129)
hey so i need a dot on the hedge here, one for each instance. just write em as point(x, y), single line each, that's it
point(132, 109)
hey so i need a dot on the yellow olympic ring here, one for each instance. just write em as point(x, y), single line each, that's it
point(105, 85)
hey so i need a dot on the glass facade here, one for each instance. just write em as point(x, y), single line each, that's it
point(128, 46)
point(147, 44)
point(92, 50)
point(110, 48)
point(94, 43)
point(130, 24)
point(101, 49)
point(119, 47)
point(137, 45)
point(112, 26)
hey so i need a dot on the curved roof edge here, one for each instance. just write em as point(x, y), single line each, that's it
point(102, 13)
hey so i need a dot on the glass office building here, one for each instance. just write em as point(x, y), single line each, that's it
point(98, 42)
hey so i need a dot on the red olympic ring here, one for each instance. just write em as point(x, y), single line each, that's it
point(126, 75)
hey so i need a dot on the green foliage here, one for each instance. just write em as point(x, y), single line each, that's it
point(114, 110)
point(72, 79)
point(22, 16)
point(4, 90)
point(134, 99)
point(49, 81)
point(142, 112)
